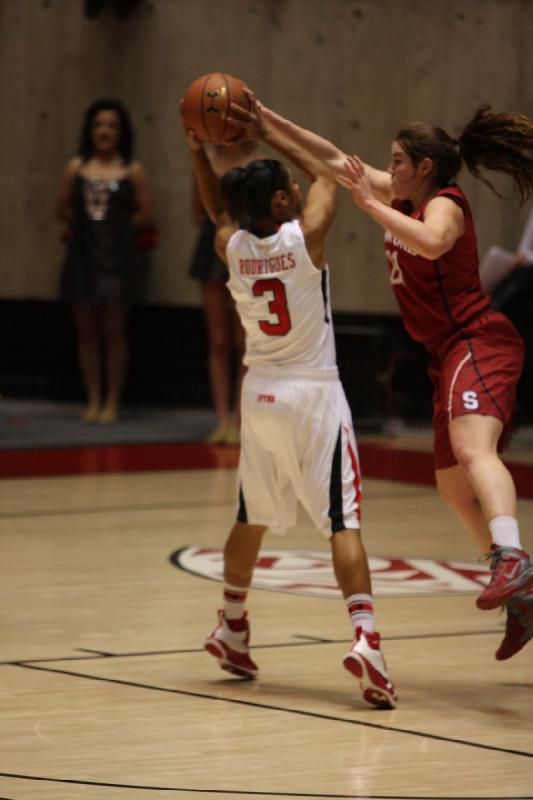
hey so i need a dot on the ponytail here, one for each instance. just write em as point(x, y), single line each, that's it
point(500, 142)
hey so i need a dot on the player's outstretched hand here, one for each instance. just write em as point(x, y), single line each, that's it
point(356, 181)
point(193, 142)
point(249, 119)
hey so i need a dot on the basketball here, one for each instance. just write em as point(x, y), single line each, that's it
point(206, 107)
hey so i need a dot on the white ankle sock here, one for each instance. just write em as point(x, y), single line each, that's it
point(505, 532)
point(361, 611)
point(234, 600)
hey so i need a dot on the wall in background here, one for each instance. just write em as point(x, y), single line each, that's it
point(383, 371)
point(353, 70)
point(168, 364)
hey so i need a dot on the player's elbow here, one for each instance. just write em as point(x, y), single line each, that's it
point(434, 247)
point(336, 166)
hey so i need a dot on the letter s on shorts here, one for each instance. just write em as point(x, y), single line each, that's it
point(470, 400)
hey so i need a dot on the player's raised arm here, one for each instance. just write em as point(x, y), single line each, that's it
point(430, 237)
point(317, 214)
point(209, 190)
point(251, 121)
point(207, 181)
point(319, 210)
point(331, 157)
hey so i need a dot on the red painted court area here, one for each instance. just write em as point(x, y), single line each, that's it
point(379, 459)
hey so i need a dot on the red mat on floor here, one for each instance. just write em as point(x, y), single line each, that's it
point(378, 460)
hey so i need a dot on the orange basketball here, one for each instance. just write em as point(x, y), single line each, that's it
point(206, 107)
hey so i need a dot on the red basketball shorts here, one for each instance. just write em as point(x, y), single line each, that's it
point(477, 373)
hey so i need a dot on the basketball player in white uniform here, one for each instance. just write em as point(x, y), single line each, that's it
point(297, 439)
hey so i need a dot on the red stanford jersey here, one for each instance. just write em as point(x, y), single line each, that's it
point(437, 298)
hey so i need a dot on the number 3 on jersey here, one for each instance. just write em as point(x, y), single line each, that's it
point(277, 306)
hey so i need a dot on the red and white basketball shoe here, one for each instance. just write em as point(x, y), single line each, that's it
point(365, 661)
point(229, 645)
point(512, 573)
point(519, 626)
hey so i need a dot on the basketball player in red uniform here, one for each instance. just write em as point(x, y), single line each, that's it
point(476, 353)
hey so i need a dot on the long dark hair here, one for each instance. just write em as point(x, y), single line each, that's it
point(247, 191)
point(491, 140)
point(126, 136)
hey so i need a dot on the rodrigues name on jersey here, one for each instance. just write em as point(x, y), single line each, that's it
point(282, 300)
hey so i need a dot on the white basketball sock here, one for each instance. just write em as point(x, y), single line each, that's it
point(361, 611)
point(234, 600)
point(504, 531)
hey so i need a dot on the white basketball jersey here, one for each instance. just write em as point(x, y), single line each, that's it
point(282, 300)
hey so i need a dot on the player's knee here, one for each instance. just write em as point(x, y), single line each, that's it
point(466, 453)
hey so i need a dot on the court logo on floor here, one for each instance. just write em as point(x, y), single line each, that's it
point(310, 572)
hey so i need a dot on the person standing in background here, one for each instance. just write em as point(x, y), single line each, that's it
point(499, 265)
point(105, 198)
point(225, 334)
point(508, 278)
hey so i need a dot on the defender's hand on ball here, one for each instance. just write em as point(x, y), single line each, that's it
point(249, 119)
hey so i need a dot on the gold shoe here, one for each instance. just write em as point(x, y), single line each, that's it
point(233, 436)
point(219, 435)
point(90, 414)
point(108, 415)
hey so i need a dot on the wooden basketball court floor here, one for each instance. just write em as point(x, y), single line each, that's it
point(106, 691)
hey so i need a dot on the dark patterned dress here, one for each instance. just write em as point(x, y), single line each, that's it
point(104, 266)
point(206, 265)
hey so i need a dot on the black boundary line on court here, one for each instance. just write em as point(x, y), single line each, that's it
point(233, 792)
point(252, 793)
point(281, 709)
point(307, 640)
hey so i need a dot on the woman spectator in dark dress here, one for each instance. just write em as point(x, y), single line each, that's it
point(105, 198)
point(225, 335)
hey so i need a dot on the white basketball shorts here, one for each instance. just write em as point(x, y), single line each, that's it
point(297, 443)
